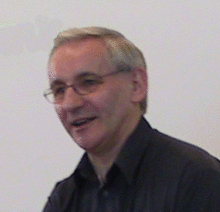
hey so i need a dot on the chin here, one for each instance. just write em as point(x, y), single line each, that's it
point(82, 141)
point(88, 143)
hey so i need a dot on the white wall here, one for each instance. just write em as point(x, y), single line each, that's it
point(180, 40)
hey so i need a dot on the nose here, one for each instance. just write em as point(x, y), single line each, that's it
point(72, 100)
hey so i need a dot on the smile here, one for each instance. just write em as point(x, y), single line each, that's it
point(82, 122)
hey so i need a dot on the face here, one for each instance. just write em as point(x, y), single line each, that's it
point(96, 120)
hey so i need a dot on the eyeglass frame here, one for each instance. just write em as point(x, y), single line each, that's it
point(73, 86)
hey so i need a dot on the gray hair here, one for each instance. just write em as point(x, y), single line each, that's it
point(122, 53)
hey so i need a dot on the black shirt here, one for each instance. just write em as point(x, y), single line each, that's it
point(153, 173)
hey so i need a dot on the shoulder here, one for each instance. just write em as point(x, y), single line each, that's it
point(61, 195)
point(65, 190)
point(65, 184)
point(187, 174)
point(175, 162)
point(177, 152)
point(166, 155)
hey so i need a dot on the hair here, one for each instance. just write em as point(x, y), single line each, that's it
point(122, 53)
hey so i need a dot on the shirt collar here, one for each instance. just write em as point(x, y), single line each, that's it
point(130, 156)
point(85, 169)
point(128, 159)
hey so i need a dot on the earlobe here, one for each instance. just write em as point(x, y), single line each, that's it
point(140, 86)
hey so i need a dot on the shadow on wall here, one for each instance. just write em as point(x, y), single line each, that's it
point(33, 36)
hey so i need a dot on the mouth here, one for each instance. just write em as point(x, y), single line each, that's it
point(82, 122)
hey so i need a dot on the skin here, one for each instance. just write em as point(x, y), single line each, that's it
point(114, 105)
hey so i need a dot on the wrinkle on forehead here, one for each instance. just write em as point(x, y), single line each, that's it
point(85, 54)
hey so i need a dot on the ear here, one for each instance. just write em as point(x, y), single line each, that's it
point(140, 85)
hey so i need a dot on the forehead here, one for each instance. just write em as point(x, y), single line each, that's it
point(76, 57)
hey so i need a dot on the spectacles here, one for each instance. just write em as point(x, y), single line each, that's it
point(86, 84)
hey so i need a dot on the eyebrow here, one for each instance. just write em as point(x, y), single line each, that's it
point(81, 75)
point(56, 82)
point(84, 74)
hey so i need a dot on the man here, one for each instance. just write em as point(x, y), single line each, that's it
point(98, 84)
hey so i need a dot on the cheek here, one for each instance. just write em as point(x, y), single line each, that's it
point(109, 101)
point(60, 112)
point(102, 100)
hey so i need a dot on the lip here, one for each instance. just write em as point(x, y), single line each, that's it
point(82, 122)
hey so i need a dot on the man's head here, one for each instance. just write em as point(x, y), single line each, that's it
point(98, 79)
point(122, 53)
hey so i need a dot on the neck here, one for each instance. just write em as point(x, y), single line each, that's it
point(101, 167)
point(103, 160)
point(102, 163)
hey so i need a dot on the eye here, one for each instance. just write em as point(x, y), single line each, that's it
point(89, 82)
point(58, 90)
